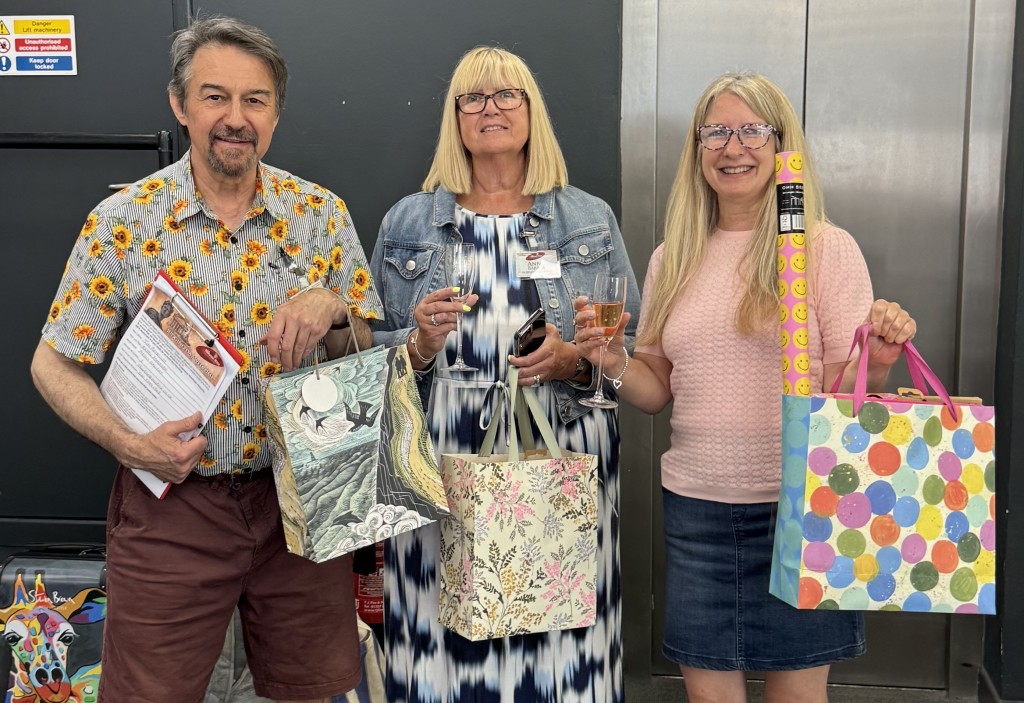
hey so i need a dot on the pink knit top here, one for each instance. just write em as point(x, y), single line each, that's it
point(726, 415)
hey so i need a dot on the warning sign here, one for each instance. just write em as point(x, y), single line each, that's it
point(38, 45)
point(29, 46)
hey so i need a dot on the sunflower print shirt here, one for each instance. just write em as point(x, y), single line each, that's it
point(237, 279)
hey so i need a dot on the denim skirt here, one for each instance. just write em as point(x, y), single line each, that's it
point(719, 614)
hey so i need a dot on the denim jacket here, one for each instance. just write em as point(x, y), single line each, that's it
point(406, 264)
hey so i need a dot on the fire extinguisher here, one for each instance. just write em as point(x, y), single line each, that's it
point(368, 575)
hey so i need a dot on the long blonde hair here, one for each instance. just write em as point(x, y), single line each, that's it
point(489, 65)
point(692, 212)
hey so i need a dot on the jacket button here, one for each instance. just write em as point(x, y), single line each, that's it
point(410, 265)
point(553, 303)
point(584, 250)
point(534, 221)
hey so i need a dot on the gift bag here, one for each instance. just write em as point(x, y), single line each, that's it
point(887, 501)
point(353, 459)
point(519, 552)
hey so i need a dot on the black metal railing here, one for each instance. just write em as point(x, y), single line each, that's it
point(160, 142)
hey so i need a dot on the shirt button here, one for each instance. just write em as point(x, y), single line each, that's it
point(410, 265)
point(247, 429)
point(584, 250)
point(245, 380)
point(553, 303)
point(241, 333)
point(234, 239)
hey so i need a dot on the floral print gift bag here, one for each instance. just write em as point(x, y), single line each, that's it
point(519, 552)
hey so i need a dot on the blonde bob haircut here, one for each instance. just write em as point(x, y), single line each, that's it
point(692, 212)
point(497, 68)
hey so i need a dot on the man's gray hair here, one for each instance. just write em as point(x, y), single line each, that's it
point(224, 31)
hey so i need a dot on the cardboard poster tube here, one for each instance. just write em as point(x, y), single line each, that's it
point(792, 268)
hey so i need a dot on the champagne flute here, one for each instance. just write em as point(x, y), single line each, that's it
point(461, 266)
point(609, 299)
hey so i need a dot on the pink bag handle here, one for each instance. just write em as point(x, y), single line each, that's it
point(921, 374)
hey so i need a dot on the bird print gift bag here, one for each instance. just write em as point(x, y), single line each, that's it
point(519, 552)
point(887, 501)
point(353, 460)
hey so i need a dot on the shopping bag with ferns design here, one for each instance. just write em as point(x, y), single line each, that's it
point(519, 551)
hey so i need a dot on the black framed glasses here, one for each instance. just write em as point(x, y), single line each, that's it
point(752, 136)
point(504, 99)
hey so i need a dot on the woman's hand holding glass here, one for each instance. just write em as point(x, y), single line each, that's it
point(607, 304)
point(436, 317)
point(590, 339)
point(461, 267)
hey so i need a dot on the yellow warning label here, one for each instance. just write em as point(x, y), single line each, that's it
point(42, 26)
point(3, 28)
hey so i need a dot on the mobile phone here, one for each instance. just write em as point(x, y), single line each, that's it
point(530, 335)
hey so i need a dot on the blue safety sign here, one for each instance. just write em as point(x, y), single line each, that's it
point(5, 64)
point(43, 63)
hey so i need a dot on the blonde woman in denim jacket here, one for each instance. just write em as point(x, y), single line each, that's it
point(498, 180)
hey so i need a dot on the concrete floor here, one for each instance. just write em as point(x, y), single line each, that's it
point(668, 689)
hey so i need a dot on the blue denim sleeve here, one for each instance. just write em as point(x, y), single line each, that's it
point(567, 393)
point(389, 331)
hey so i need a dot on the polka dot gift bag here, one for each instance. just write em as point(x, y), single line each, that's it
point(887, 501)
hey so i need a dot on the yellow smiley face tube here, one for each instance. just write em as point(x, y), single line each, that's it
point(792, 267)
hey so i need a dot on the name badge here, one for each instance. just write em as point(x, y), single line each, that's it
point(538, 264)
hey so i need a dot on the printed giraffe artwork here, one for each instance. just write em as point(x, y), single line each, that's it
point(39, 634)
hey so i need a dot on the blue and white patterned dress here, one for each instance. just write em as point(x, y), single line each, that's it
point(427, 663)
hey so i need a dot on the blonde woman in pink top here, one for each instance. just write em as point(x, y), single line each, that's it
point(709, 341)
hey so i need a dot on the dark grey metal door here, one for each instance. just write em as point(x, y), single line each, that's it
point(55, 483)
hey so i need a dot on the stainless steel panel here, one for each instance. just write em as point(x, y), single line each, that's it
point(985, 153)
point(700, 40)
point(906, 111)
point(984, 170)
point(887, 90)
point(638, 475)
point(696, 42)
point(886, 102)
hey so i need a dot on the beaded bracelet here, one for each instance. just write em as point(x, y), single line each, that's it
point(416, 350)
point(617, 381)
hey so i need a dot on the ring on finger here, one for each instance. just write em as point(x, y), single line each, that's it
point(433, 320)
point(536, 379)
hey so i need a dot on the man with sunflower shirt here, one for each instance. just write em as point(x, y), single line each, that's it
point(243, 239)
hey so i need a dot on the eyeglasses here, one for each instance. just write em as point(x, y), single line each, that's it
point(752, 136)
point(505, 99)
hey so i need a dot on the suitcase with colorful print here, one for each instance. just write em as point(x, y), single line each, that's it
point(52, 606)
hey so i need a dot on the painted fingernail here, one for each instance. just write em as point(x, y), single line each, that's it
point(466, 308)
point(455, 289)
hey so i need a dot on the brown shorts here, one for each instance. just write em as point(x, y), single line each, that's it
point(178, 567)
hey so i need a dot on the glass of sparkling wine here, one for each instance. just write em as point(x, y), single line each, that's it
point(609, 299)
point(461, 266)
